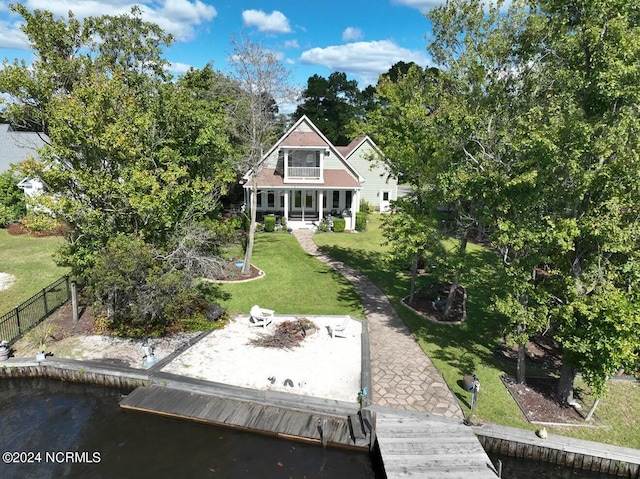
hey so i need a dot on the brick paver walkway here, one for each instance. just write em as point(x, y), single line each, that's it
point(403, 376)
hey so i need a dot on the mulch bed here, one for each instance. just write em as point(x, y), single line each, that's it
point(428, 303)
point(231, 272)
point(537, 402)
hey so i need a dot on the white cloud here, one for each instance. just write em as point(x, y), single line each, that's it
point(291, 44)
point(422, 5)
point(351, 33)
point(274, 22)
point(178, 17)
point(12, 37)
point(179, 68)
point(365, 59)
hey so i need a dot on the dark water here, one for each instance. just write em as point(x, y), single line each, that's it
point(79, 431)
point(519, 468)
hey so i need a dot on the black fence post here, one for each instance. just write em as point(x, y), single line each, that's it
point(44, 300)
point(18, 321)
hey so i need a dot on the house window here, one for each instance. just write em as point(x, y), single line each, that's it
point(271, 200)
point(282, 201)
point(259, 200)
point(336, 199)
point(297, 199)
point(309, 200)
point(347, 200)
point(385, 196)
point(304, 158)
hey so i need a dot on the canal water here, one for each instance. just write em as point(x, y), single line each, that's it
point(520, 468)
point(54, 429)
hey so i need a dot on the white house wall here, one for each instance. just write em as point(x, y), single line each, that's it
point(375, 175)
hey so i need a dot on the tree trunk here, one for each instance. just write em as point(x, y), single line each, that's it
point(565, 384)
point(592, 410)
point(456, 280)
point(414, 274)
point(451, 296)
point(246, 267)
point(521, 375)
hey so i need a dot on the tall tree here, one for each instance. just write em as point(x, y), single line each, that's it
point(569, 145)
point(588, 91)
point(332, 103)
point(131, 153)
point(262, 80)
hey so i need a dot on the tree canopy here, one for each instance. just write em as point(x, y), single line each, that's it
point(333, 103)
point(131, 154)
point(530, 135)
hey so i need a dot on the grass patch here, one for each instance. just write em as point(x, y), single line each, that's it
point(468, 348)
point(30, 260)
point(294, 282)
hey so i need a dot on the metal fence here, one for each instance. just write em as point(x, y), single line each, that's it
point(24, 317)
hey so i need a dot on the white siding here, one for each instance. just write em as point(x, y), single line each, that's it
point(375, 175)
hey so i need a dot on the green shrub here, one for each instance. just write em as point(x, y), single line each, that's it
point(323, 227)
point(339, 225)
point(270, 223)
point(12, 204)
point(366, 207)
point(38, 223)
point(139, 294)
point(283, 222)
point(361, 221)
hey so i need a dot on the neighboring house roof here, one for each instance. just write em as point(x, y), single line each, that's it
point(358, 141)
point(17, 146)
point(351, 147)
point(269, 178)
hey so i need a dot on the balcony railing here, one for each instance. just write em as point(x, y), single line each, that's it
point(303, 172)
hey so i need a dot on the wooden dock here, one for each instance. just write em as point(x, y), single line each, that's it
point(279, 421)
point(426, 446)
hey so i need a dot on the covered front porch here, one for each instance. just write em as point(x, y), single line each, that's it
point(306, 207)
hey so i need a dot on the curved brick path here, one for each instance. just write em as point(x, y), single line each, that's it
point(403, 376)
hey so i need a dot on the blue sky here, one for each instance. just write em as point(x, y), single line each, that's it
point(360, 37)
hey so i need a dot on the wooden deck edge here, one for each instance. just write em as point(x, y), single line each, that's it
point(88, 372)
point(138, 401)
point(272, 398)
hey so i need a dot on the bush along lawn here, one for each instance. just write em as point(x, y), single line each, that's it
point(470, 347)
point(30, 261)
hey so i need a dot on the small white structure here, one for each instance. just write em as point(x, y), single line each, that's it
point(17, 146)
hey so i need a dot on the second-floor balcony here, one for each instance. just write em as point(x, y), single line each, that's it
point(303, 172)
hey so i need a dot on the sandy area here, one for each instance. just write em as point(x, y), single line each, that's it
point(109, 349)
point(6, 280)
point(321, 367)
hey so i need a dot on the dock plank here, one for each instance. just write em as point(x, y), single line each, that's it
point(419, 447)
point(225, 411)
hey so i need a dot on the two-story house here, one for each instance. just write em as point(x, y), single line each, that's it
point(304, 178)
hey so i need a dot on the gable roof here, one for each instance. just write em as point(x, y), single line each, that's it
point(356, 143)
point(295, 138)
point(17, 146)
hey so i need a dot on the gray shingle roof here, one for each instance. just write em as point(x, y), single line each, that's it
point(17, 146)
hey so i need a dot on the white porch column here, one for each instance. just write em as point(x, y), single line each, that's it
point(355, 208)
point(286, 205)
point(320, 198)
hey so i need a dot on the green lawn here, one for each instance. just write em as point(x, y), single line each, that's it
point(294, 282)
point(30, 261)
point(469, 347)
